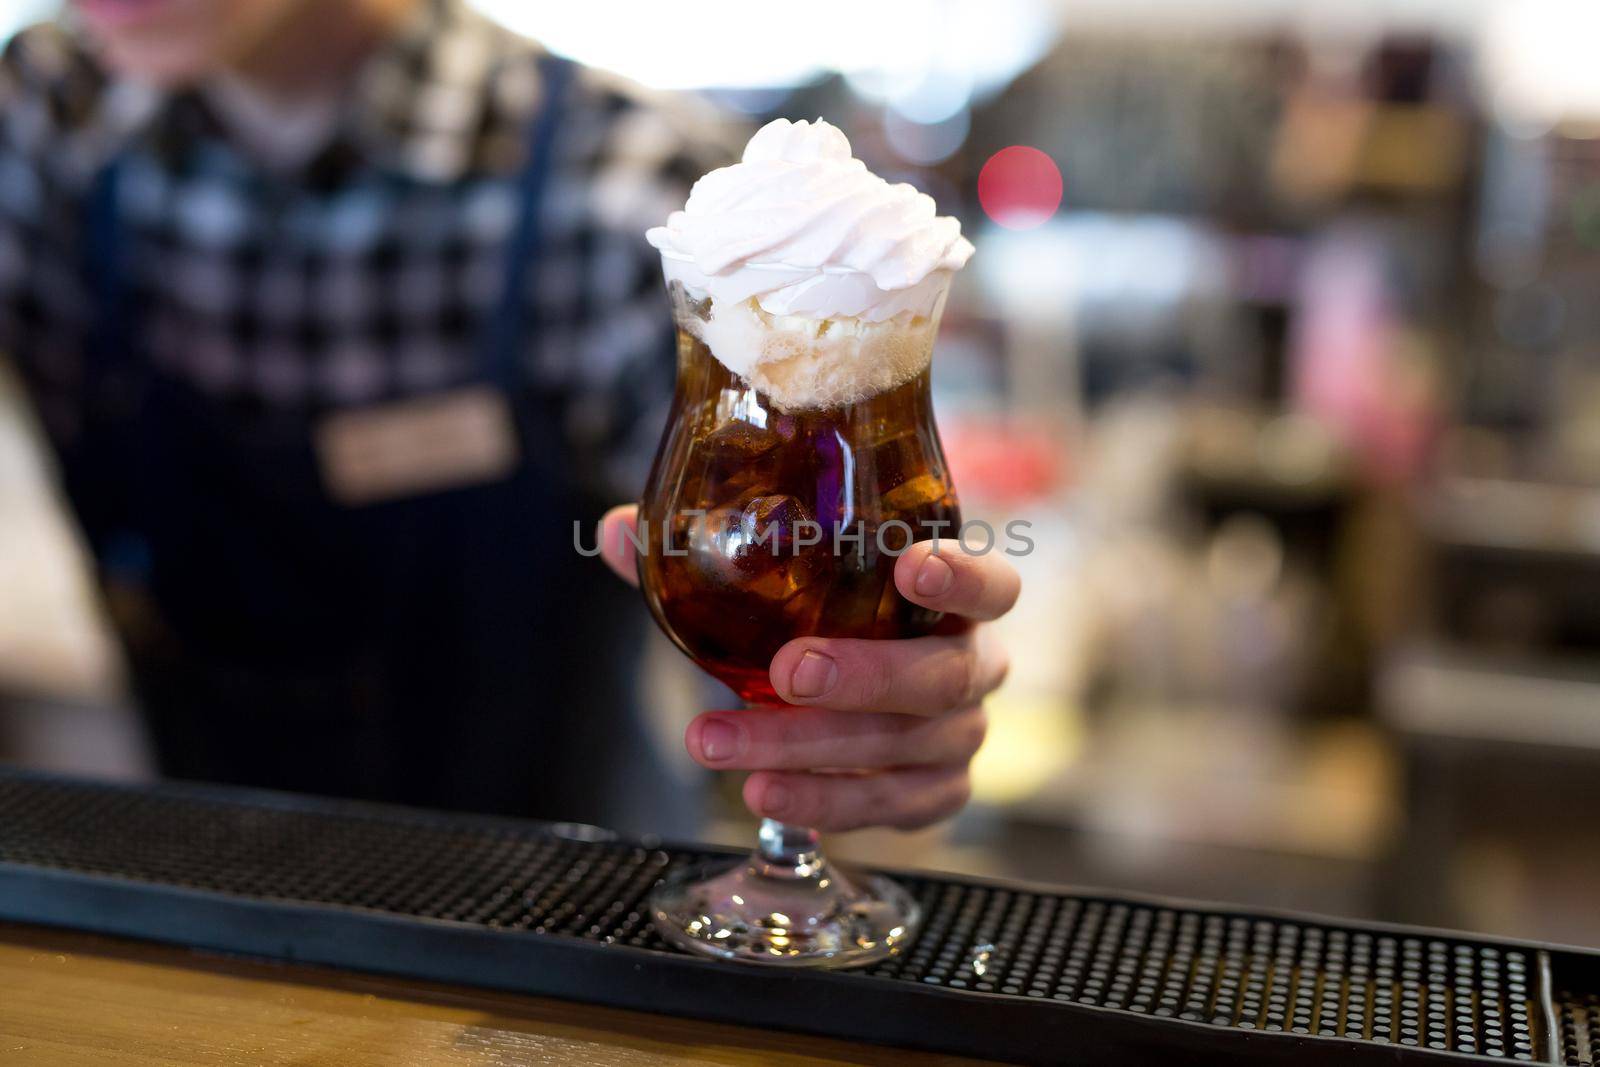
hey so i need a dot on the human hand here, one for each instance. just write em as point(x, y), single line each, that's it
point(881, 733)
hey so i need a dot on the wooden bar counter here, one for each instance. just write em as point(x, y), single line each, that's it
point(75, 999)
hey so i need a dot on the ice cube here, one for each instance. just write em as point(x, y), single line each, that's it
point(920, 492)
point(884, 462)
point(738, 541)
point(740, 440)
point(714, 543)
point(783, 579)
point(737, 441)
point(760, 548)
point(773, 525)
point(736, 461)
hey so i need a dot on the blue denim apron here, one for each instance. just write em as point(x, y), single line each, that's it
point(449, 649)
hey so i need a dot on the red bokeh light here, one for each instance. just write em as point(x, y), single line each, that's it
point(1019, 187)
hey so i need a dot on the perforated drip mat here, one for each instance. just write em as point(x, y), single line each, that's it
point(1578, 1016)
point(1010, 972)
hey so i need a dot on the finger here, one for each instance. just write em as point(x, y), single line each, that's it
point(807, 738)
point(618, 525)
point(904, 799)
point(919, 676)
point(955, 580)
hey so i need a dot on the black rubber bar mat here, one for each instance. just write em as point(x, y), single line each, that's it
point(1012, 972)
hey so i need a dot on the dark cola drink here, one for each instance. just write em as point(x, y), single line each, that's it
point(779, 501)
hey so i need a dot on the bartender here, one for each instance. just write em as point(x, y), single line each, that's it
point(338, 313)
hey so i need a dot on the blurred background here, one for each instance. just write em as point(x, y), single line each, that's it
point(1285, 342)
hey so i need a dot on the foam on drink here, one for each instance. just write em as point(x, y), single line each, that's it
point(821, 283)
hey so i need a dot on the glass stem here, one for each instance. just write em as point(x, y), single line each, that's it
point(791, 850)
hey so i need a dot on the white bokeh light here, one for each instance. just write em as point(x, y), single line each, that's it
point(15, 14)
point(926, 143)
point(889, 47)
point(1538, 61)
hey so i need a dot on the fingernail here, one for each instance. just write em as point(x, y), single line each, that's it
point(719, 740)
point(813, 675)
point(776, 800)
point(934, 576)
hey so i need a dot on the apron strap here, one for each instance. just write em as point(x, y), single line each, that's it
point(100, 466)
point(515, 316)
point(103, 264)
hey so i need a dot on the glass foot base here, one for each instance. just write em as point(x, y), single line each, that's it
point(810, 916)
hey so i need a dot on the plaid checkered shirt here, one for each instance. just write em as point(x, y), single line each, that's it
point(366, 275)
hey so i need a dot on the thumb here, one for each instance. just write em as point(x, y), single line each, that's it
point(620, 524)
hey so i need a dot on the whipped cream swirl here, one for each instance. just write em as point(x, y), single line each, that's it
point(808, 230)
